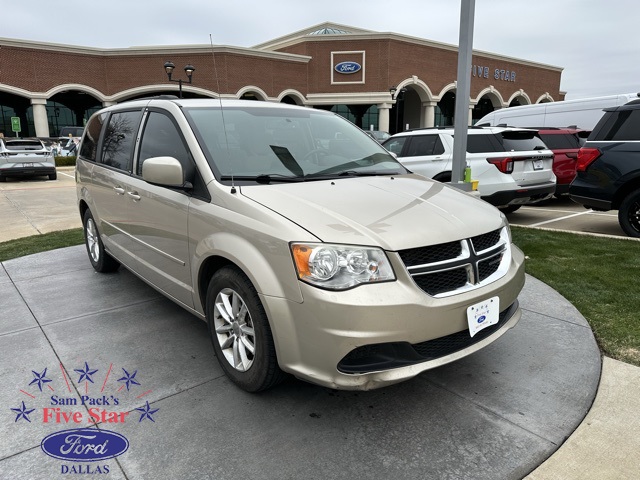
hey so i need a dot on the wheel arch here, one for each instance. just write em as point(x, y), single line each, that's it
point(629, 187)
point(266, 270)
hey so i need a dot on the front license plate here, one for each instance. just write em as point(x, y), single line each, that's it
point(538, 164)
point(483, 315)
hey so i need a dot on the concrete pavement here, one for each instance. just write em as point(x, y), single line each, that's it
point(497, 414)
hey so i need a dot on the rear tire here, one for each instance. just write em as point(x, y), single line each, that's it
point(629, 214)
point(240, 332)
point(509, 209)
point(53, 176)
point(100, 260)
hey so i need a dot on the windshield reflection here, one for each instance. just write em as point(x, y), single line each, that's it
point(282, 144)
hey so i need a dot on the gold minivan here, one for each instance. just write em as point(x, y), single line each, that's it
point(306, 247)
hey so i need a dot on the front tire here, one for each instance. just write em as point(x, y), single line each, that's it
point(629, 214)
point(100, 260)
point(240, 331)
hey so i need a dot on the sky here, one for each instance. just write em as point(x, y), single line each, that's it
point(596, 42)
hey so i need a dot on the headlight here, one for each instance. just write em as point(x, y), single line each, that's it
point(339, 267)
point(505, 224)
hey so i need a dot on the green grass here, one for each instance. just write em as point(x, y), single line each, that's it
point(599, 276)
point(40, 243)
point(65, 161)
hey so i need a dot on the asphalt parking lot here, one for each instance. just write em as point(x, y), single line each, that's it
point(37, 205)
point(563, 214)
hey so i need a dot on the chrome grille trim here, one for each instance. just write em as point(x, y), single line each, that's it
point(484, 258)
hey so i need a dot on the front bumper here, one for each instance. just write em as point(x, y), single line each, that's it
point(313, 337)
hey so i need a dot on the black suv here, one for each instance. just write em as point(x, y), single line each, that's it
point(608, 167)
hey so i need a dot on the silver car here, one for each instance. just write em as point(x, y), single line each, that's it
point(306, 247)
point(25, 157)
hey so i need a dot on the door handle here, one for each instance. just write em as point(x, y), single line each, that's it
point(119, 190)
point(134, 195)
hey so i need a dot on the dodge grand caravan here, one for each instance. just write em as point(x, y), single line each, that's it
point(305, 246)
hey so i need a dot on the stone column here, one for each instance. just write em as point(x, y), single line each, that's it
point(383, 116)
point(470, 119)
point(428, 117)
point(40, 120)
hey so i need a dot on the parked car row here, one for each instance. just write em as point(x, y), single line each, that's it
point(608, 168)
point(513, 165)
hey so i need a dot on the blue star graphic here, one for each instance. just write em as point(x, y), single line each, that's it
point(147, 412)
point(129, 379)
point(23, 413)
point(85, 374)
point(39, 378)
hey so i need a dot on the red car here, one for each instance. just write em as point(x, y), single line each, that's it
point(564, 143)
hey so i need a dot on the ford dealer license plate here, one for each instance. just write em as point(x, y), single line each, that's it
point(483, 315)
point(538, 164)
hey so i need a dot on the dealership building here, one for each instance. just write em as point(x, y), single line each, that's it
point(381, 81)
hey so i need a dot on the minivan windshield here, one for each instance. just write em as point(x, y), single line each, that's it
point(265, 145)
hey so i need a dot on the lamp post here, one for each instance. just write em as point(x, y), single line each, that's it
point(189, 69)
point(398, 96)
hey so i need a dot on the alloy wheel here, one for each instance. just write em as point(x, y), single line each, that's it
point(234, 329)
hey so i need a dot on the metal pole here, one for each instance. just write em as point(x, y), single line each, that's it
point(463, 90)
point(180, 88)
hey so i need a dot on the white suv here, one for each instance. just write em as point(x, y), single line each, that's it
point(512, 165)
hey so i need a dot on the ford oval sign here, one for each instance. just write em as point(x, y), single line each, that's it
point(347, 67)
point(84, 445)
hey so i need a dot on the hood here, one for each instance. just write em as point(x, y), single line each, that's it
point(394, 213)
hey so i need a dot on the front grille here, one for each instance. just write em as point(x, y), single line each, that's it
point(432, 254)
point(451, 267)
point(488, 240)
point(440, 282)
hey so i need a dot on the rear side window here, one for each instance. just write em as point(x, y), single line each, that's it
point(425, 145)
point(119, 139)
point(560, 141)
point(89, 148)
point(483, 144)
point(621, 125)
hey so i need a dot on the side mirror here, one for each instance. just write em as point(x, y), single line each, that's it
point(166, 171)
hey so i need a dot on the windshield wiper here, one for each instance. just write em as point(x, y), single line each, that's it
point(350, 173)
point(264, 178)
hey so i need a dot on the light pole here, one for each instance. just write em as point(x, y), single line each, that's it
point(398, 96)
point(189, 69)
